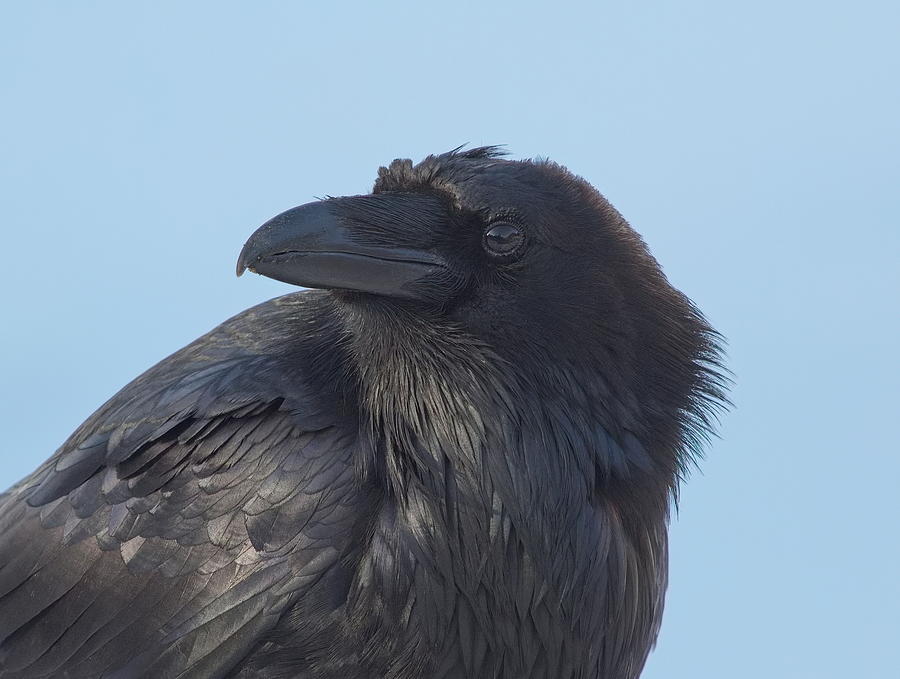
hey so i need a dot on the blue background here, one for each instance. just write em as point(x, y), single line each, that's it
point(755, 145)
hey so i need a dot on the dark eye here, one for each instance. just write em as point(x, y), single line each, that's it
point(503, 239)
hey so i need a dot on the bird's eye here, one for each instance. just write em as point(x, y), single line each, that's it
point(503, 239)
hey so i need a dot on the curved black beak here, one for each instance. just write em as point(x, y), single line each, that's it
point(376, 243)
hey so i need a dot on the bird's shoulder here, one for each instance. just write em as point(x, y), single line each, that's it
point(248, 368)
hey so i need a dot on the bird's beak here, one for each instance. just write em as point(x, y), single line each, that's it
point(374, 243)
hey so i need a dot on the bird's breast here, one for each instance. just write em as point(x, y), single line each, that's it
point(467, 591)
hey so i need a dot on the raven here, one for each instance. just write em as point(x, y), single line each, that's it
point(454, 457)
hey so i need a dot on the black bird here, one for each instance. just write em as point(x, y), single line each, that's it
point(454, 459)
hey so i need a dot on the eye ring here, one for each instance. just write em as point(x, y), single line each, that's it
point(503, 239)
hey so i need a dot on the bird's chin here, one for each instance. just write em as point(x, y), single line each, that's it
point(370, 304)
point(357, 297)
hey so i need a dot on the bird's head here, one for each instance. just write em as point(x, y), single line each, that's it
point(523, 255)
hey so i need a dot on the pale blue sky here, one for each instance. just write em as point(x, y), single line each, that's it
point(754, 145)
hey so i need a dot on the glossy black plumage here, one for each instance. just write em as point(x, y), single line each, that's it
point(461, 471)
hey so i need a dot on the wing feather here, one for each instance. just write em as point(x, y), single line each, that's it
point(173, 529)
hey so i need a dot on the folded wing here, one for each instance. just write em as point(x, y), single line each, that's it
point(174, 528)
